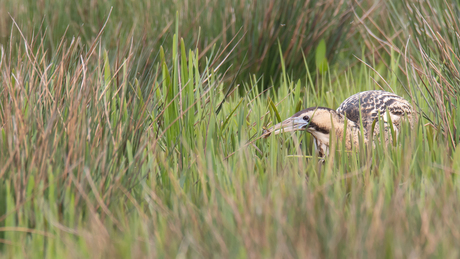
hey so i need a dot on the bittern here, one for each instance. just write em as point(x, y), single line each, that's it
point(368, 105)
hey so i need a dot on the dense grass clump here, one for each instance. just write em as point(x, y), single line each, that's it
point(118, 148)
point(257, 28)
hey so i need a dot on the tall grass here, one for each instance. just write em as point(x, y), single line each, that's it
point(105, 152)
point(424, 36)
point(257, 26)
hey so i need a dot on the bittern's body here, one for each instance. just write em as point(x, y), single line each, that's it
point(367, 106)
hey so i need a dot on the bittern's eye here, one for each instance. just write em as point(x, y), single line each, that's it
point(306, 118)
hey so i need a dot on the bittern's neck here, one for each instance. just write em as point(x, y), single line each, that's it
point(340, 126)
point(351, 131)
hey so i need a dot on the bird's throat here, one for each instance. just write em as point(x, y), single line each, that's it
point(322, 138)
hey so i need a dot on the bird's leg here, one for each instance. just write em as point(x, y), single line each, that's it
point(322, 160)
point(320, 165)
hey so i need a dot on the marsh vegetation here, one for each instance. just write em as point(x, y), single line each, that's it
point(132, 129)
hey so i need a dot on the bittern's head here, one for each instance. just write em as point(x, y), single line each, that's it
point(315, 120)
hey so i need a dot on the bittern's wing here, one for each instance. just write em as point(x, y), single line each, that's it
point(372, 103)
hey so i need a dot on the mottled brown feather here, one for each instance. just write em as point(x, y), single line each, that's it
point(375, 102)
point(368, 106)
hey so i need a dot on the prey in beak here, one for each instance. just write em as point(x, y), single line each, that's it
point(291, 124)
point(317, 121)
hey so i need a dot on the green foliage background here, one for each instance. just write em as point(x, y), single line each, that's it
point(132, 129)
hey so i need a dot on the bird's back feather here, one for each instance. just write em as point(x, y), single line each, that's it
point(371, 104)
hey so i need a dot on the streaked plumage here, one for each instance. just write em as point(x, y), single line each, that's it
point(319, 121)
point(371, 103)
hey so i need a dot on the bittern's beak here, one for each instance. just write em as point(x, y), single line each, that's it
point(289, 125)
